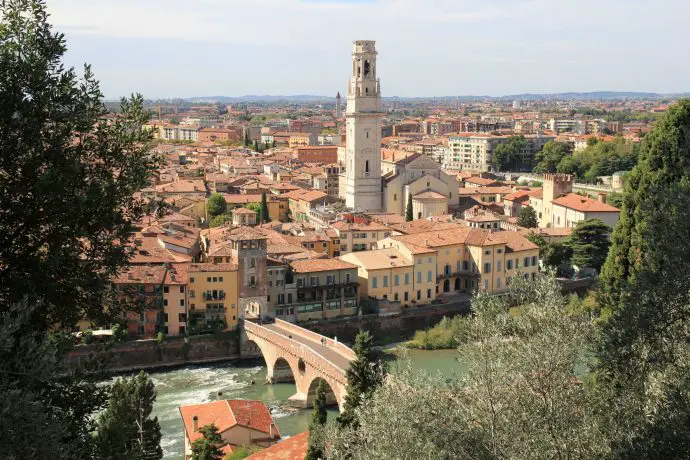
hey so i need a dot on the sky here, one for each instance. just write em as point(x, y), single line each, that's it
point(194, 48)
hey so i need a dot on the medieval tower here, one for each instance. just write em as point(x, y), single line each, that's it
point(363, 117)
point(338, 112)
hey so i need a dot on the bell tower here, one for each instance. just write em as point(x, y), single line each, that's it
point(363, 131)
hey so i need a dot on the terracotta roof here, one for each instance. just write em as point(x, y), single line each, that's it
point(203, 268)
point(245, 233)
point(481, 181)
point(467, 191)
point(139, 274)
point(306, 195)
point(430, 195)
point(378, 259)
point(292, 448)
point(320, 265)
point(538, 193)
point(226, 414)
point(519, 196)
point(177, 274)
point(583, 204)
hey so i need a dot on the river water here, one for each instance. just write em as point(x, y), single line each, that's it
point(198, 384)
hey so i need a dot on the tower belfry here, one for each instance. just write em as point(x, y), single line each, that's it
point(363, 117)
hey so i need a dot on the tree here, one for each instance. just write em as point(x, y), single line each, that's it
point(509, 154)
point(67, 207)
point(644, 349)
point(220, 220)
point(209, 445)
point(528, 218)
point(246, 138)
point(409, 213)
point(216, 205)
point(264, 209)
point(319, 416)
point(256, 207)
point(549, 157)
point(551, 254)
point(363, 377)
point(125, 428)
point(589, 242)
point(519, 395)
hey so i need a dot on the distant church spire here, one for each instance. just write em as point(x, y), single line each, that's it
point(338, 112)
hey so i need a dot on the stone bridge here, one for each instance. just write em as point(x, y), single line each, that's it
point(295, 354)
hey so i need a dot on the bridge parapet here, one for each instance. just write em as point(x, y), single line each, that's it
point(338, 346)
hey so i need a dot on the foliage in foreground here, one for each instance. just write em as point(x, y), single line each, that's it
point(525, 393)
point(209, 446)
point(126, 429)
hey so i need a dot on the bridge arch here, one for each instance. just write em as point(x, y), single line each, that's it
point(296, 354)
point(331, 398)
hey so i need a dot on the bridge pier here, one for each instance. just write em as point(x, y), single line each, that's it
point(280, 372)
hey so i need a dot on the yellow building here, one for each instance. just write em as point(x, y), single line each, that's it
point(469, 259)
point(175, 299)
point(213, 297)
point(414, 269)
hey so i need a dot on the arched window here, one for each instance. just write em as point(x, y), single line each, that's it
point(366, 68)
point(366, 166)
point(395, 197)
point(366, 90)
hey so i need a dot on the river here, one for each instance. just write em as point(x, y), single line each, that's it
point(198, 384)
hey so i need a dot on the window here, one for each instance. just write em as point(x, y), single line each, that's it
point(395, 197)
point(486, 285)
point(487, 267)
point(396, 296)
point(419, 295)
point(465, 265)
point(428, 293)
point(166, 289)
point(181, 302)
point(252, 281)
point(498, 266)
point(498, 283)
point(526, 261)
point(268, 298)
point(385, 280)
point(429, 275)
point(347, 278)
point(366, 166)
point(499, 251)
point(487, 252)
point(215, 279)
point(181, 289)
point(374, 282)
point(220, 279)
point(330, 279)
point(182, 317)
point(314, 280)
point(509, 264)
point(165, 302)
point(252, 262)
point(191, 279)
point(534, 261)
point(208, 279)
point(407, 279)
point(419, 261)
point(429, 260)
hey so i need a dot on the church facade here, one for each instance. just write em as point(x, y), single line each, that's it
point(372, 181)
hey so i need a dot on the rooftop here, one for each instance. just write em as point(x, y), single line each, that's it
point(583, 203)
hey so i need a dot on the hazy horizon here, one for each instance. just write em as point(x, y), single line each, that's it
point(179, 49)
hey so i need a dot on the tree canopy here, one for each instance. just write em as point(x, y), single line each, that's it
point(600, 159)
point(528, 217)
point(209, 446)
point(508, 155)
point(548, 158)
point(589, 243)
point(216, 205)
point(126, 429)
point(319, 416)
point(67, 209)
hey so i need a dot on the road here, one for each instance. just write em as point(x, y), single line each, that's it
point(331, 355)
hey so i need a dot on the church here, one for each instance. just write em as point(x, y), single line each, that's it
point(373, 180)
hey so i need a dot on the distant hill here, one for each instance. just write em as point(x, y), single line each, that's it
point(595, 95)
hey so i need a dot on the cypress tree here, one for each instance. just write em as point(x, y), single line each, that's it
point(264, 208)
point(408, 212)
point(363, 377)
point(318, 420)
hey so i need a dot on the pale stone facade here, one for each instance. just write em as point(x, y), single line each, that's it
point(362, 181)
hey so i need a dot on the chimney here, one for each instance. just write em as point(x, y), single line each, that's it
point(195, 424)
point(601, 197)
point(220, 395)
